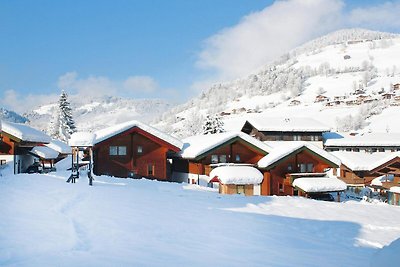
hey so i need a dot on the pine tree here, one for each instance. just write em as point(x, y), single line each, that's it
point(213, 124)
point(62, 124)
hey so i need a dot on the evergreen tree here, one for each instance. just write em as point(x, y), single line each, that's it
point(62, 124)
point(213, 124)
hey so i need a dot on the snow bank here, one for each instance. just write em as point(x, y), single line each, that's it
point(64, 164)
point(287, 148)
point(83, 139)
point(292, 124)
point(197, 145)
point(106, 133)
point(395, 189)
point(237, 175)
point(24, 132)
point(314, 185)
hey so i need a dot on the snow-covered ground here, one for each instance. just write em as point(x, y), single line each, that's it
point(121, 222)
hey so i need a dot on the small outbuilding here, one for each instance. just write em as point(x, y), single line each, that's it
point(237, 179)
point(312, 185)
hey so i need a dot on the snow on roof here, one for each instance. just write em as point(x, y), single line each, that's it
point(286, 148)
point(197, 145)
point(395, 189)
point(44, 152)
point(25, 132)
point(237, 175)
point(314, 185)
point(293, 124)
point(59, 146)
point(383, 178)
point(106, 133)
point(360, 161)
point(370, 139)
point(84, 139)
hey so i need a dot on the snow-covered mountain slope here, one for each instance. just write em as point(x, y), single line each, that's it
point(352, 70)
point(101, 112)
point(11, 116)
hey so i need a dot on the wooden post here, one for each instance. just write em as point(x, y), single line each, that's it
point(338, 196)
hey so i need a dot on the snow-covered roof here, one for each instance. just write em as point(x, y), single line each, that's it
point(237, 175)
point(287, 148)
point(368, 140)
point(106, 133)
point(25, 132)
point(293, 124)
point(383, 178)
point(197, 145)
point(360, 161)
point(44, 152)
point(83, 139)
point(314, 185)
point(395, 189)
point(59, 146)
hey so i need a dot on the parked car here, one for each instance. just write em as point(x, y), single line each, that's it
point(35, 168)
point(322, 196)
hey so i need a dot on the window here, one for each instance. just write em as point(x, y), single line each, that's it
point(381, 149)
point(240, 189)
point(214, 158)
point(113, 150)
point(302, 167)
point(237, 158)
point(139, 149)
point(374, 150)
point(310, 167)
point(222, 158)
point(296, 138)
point(348, 149)
point(150, 169)
point(314, 138)
point(356, 150)
point(117, 150)
point(290, 167)
point(281, 189)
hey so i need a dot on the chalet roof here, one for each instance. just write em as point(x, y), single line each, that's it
point(366, 140)
point(285, 149)
point(360, 161)
point(59, 146)
point(239, 175)
point(25, 132)
point(83, 139)
point(44, 152)
point(295, 124)
point(320, 184)
point(198, 145)
point(383, 178)
point(109, 132)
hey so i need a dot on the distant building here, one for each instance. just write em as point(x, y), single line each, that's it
point(367, 143)
point(285, 129)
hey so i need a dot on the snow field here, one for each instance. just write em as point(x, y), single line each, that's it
point(122, 222)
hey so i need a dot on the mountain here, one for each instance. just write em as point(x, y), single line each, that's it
point(11, 116)
point(353, 70)
point(100, 112)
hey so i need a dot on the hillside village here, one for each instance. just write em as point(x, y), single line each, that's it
point(304, 142)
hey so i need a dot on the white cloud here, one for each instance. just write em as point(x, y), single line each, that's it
point(142, 84)
point(264, 36)
point(383, 16)
point(21, 103)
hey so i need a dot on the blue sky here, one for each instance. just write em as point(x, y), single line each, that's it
point(169, 49)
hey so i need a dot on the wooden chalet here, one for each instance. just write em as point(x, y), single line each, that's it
point(288, 162)
point(16, 142)
point(396, 86)
point(360, 169)
point(394, 196)
point(200, 154)
point(51, 153)
point(321, 98)
point(285, 129)
point(133, 149)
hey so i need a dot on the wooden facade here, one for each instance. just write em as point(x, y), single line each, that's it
point(235, 150)
point(232, 189)
point(364, 177)
point(278, 177)
point(133, 153)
